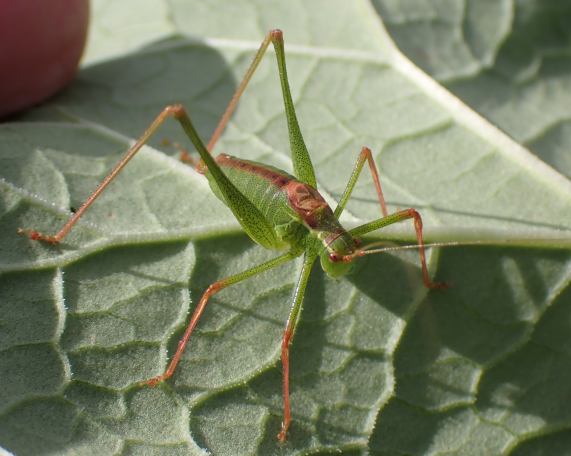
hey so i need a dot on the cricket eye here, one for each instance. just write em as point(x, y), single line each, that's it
point(334, 257)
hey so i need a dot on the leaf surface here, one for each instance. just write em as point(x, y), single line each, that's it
point(379, 364)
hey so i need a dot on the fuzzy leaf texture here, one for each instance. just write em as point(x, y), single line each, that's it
point(379, 365)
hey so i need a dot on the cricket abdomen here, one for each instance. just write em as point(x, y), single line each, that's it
point(265, 187)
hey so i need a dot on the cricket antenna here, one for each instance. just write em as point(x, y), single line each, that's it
point(383, 248)
point(515, 242)
point(370, 248)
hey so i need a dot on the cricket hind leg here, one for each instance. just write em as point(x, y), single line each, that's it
point(169, 111)
point(251, 219)
point(303, 168)
point(301, 159)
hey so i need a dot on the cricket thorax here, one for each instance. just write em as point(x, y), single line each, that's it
point(318, 217)
point(307, 203)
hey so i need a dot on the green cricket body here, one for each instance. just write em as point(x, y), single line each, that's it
point(298, 214)
point(275, 209)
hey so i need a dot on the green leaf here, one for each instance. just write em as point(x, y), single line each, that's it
point(379, 365)
point(510, 61)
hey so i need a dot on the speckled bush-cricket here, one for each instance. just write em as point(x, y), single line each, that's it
point(277, 210)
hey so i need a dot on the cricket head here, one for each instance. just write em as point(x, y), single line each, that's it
point(339, 253)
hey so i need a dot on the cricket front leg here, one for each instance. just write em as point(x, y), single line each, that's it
point(397, 217)
point(289, 331)
point(210, 291)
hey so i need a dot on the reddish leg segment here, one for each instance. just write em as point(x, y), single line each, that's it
point(176, 111)
point(365, 154)
point(288, 336)
point(239, 91)
point(413, 213)
point(282, 435)
point(395, 218)
point(211, 290)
